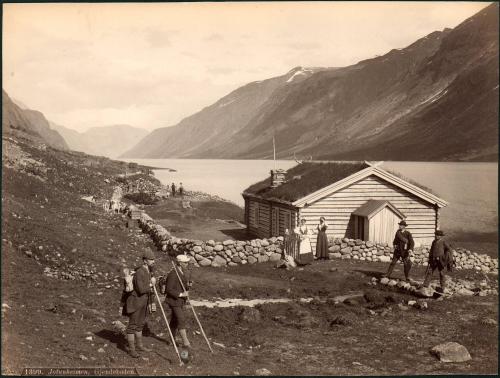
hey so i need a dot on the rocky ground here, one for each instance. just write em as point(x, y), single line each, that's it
point(61, 262)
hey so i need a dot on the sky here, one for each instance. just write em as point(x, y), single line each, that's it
point(151, 65)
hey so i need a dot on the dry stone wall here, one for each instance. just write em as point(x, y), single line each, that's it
point(370, 251)
point(234, 252)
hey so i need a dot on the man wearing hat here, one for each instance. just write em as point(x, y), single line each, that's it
point(137, 303)
point(440, 257)
point(176, 297)
point(403, 246)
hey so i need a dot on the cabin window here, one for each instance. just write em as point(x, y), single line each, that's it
point(255, 214)
point(288, 220)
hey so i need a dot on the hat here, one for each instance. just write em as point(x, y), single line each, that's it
point(439, 233)
point(183, 258)
point(402, 223)
point(148, 254)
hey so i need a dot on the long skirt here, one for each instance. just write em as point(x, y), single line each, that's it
point(322, 245)
point(305, 256)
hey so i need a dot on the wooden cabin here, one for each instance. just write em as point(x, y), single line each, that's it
point(359, 200)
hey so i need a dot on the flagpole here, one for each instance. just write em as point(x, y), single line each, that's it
point(274, 154)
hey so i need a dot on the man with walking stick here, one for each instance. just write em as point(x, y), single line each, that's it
point(177, 295)
point(440, 258)
point(137, 304)
point(403, 247)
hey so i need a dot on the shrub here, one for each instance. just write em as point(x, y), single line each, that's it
point(142, 198)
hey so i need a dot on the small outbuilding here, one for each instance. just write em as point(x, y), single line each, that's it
point(359, 200)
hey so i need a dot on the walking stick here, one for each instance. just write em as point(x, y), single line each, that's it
point(168, 326)
point(192, 308)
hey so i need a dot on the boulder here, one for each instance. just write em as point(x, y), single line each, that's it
point(209, 248)
point(369, 244)
point(230, 263)
point(197, 249)
point(211, 243)
point(251, 260)
point(384, 281)
point(262, 372)
point(219, 261)
point(218, 248)
point(263, 258)
point(335, 255)
point(346, 250)
point(275, 257)
point(228, 242)
point(451, 352)
point(264, 243)
point(334, 248)
point(384, 258)
point(426, 292)
point(236, 259)
point(392, 283)
point(464, 291)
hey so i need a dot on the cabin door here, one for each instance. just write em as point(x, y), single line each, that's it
point(275, 223)
point(360, 228)
point(383, 226)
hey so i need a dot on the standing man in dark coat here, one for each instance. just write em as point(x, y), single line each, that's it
point(173, 189)
point(403, 245)
point(181, 190)
point(440, 257)
point(176, 297)
point(137, 304)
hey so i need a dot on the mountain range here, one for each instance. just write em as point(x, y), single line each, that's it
point(436, 99)
point(110, 141)
point(28, 124)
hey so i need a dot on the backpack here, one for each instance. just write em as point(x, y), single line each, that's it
point(128, 288)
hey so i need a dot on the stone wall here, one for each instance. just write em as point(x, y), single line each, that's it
point(369, 251)
point(212, 253)
point(234, 252)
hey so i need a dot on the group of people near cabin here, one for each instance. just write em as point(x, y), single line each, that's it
point(137, 303)
point(440, 253)
point(139, 293)
point(176, 189)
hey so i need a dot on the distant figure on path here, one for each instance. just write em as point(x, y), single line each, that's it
point(181, 190)
point(440, 257)
point(173, 189)
point(322, 240)
point(403, 246)
point(305, 255)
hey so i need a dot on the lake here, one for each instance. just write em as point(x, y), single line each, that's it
point(470, 188)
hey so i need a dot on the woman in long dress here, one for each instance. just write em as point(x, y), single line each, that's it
point(322, 240)
point(305, 256)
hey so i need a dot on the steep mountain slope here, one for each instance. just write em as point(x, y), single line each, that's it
point(110, 141)
point(28, 124)
point(216, 124)
point(436, 99)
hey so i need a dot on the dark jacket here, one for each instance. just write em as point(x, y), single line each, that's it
point(441, 254)
point(174, 288)
point(403, 241)
point(140, 295)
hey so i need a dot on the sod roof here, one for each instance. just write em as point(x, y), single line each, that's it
point(304, 179)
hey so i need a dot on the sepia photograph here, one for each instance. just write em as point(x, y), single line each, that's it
point(261, 188)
